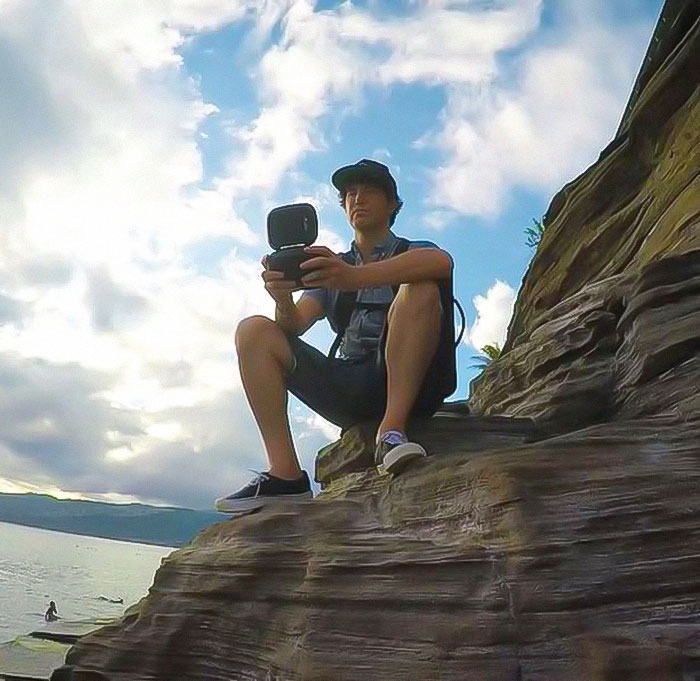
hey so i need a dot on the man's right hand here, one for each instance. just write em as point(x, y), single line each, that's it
point(280, 289)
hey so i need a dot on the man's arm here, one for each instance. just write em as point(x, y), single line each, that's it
point(297, 318)
point(418, 264)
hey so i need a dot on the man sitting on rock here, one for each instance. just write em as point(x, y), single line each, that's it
point(390, 301)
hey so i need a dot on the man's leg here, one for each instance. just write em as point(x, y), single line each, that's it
point(413, 336)
point(264, 358)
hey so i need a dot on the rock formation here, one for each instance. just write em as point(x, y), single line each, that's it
point(605, 325)
point(561, 543)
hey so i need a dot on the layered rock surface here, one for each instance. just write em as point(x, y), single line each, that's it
point(571, 558)
point(564, 545)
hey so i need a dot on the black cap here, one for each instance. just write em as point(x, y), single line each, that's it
point(366, 169)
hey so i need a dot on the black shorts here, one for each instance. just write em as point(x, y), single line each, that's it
point(346, 392)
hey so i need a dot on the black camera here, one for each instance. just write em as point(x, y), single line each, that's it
point(289, 230)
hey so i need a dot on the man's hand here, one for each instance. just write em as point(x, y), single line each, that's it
point(328, 270)
point(280, 289)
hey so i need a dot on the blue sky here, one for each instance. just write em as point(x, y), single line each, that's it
point(145, 143)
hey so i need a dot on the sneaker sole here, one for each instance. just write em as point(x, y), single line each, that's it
point(225, 506)
point(398, 458)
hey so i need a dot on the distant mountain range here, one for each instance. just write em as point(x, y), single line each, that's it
point(129, 522)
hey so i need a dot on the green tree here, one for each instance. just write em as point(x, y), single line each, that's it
point(491, 352)
point(534, 234)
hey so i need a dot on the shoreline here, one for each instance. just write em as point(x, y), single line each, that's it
point(92, 536)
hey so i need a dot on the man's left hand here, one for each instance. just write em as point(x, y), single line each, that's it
point(328, 270)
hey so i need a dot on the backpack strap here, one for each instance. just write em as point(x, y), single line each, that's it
point(347, 301)
point(342, 311)
point(401, 247)
point(463, 319)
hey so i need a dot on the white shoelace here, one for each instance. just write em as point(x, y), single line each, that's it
point(260, 477)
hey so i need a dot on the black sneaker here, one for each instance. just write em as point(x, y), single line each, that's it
point(394, 452)
point(265, 489)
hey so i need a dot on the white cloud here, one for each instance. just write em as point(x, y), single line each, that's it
point(446, 43)
point(545, 126)
point(438, 219)
point(124, 353)
point(493, 313)
point(112, 174)
point(318, 423)
point(297, 78)
point(326, 58)
point(533, 125)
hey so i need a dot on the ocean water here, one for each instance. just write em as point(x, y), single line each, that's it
point(38, 566)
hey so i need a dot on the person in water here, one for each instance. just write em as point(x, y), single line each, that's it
point(51, 614)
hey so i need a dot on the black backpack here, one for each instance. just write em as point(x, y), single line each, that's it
point(346, 302)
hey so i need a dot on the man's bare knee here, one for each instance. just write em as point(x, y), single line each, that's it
point(249, 329)
point(419, 297)
point(261, 333)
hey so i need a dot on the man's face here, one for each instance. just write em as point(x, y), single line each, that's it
point(367, 206)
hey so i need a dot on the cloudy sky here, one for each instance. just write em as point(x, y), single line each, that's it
point(144, 141)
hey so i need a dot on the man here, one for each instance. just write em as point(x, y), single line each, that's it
point(393, 350)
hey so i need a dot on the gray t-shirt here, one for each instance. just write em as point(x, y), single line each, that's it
point(366, 325)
